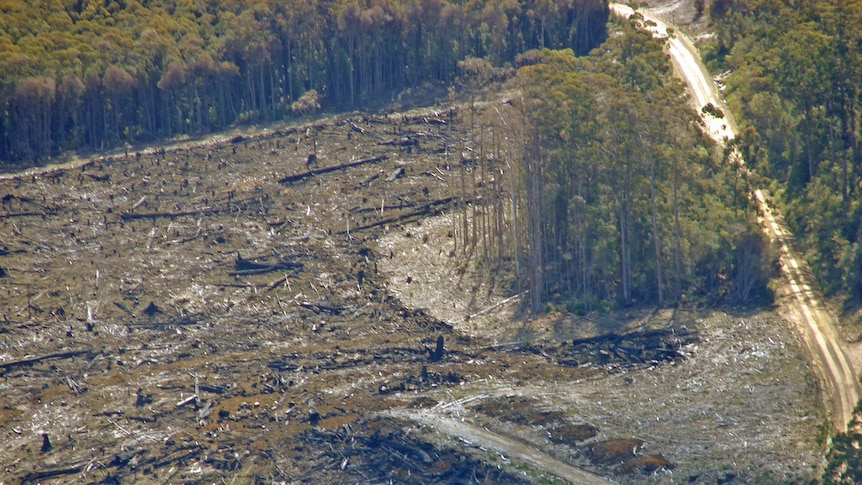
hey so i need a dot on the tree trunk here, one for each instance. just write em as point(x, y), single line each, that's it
point(624, 249)
point(677, 233)
point(534, 204)
point(656, 240)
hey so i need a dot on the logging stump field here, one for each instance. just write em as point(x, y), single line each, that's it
point(291, 305)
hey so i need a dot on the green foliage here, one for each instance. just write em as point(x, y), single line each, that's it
point(623, 200)
point(90, 75)
point(712, 110)
point(844, 459)
point(795, 87)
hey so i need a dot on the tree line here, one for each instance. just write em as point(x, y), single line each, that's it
point(795, 70)
point(594, 184)
point(617, 195)
point(93, 74)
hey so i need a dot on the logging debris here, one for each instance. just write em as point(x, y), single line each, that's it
point(355, 348)
point(649, 346)
point(249, 267)
point(319, 171)
point(33, 360)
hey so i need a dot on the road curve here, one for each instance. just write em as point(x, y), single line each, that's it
point(817, 326)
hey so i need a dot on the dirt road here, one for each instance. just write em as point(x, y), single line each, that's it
point(482, 438)
point(815, 323)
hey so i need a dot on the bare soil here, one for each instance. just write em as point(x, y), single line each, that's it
point(184, 316)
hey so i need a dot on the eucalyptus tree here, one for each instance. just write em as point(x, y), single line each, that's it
point(795, 87)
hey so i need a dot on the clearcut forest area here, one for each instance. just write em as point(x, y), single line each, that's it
point(186, 316)
point(535, 267)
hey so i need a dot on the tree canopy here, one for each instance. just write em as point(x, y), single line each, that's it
point(620, 197)
point(795, 70)
point(90, 74)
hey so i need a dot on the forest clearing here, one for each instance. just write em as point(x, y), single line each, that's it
point(550, 273)
point(170, 324)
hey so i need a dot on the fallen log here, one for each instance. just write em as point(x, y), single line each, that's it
point(215, 389)
point(121, 459)
point(275, 284)
point(423, 210)
point(180, 457)
point(140, 202)
point(142, 419)
point(404, 142)
point(46, 212)
point(35, 477)
point(33, 360)
point(74, 386)
point(317, 307)
point(398, 172)
point(370, 179)
point(123, 307)
point(319, 171)
point(128, 216)
point(99, 178)
point(266, 269)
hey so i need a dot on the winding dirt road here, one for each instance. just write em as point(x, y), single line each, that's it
point(814, 322)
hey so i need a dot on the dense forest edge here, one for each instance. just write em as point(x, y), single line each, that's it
point(627, 201)
point(616, 196)
point(792, 72)
point(80, 75)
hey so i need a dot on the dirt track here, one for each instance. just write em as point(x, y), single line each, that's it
point(816, 324)
point(475, 436)
point(814, 321)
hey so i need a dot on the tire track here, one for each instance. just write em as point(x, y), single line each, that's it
point(482, 438)
point(819, 326)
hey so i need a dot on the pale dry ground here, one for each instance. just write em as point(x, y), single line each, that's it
point(744, 402)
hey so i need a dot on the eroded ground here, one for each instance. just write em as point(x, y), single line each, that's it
point(195, 314)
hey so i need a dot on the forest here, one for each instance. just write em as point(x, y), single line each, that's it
point(87, 75)
point(794, 71)
point(624, 199)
